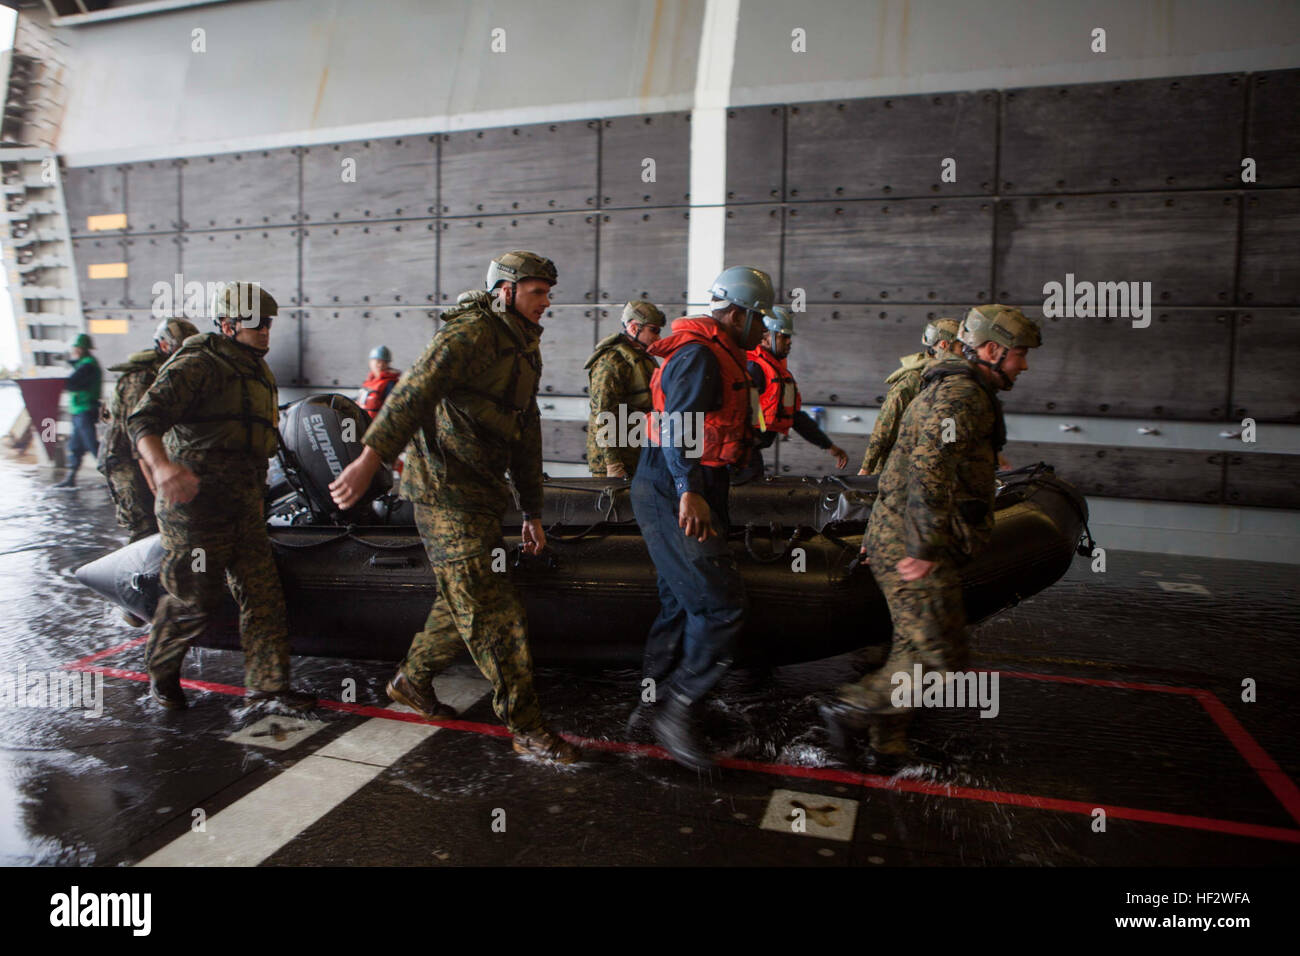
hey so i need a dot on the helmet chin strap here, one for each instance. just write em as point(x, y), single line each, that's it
point(1004, 383)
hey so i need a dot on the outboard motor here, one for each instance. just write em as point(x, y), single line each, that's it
point(322, 436)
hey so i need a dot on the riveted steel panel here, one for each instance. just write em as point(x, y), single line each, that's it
point(1272, 133)
point(643, 254)
point(285, 355)
point(110, 349)
point(240, 190)
point(755, 154)
point(842, 354)
point(627, 142)
point(1184, 245)
point(1263, 481)
point(610, 317)
point(1269, 239)
point(99, 293)
point(753, 238)
point(153, 196)
point(337, 342)
point(1175, 368)
point(911, 250)
point(266, 256)
point(395, 178)
point(1118, 472)
point(564, 441)
point(1265, 386)
point(379, 263)
point(1170, 133)
point(93, 191)
point(792, 455)
point(153, 259)
point(518, 169)
point(567, 239)
point(892, 146)
point(567, 343)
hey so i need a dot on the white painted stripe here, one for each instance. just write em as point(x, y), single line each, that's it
point(258, 824)
point(706, 247)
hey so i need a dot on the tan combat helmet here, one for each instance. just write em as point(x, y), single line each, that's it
point(647, 313)
point(1003, 324)
point(243, 303)
point(517, 266)
point(939, 330)
point(173, 332)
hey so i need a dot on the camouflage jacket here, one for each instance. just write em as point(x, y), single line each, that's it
point(457, 458)
point(904, 385)
point(619, 373)
point(136, 374)
point(937, 489)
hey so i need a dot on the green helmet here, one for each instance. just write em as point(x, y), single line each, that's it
point(748, 288)
point(240, 302)
point(1003, 324)
point(173, 332)
point(83, 341)
point(381, 352)
point(781, 321)
point(940, 330)
point(517, 266)
point(647, 313)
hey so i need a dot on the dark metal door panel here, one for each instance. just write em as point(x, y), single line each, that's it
point(567, 341)
point(394, 178)
point(518, 169)
point(153, 196)
point(643, 255)
point(564, 441)
point(337, 342)
point(1265, 385)
point(627, 142)
point(753, 238)
point(1184, 245)
point(380, 263)
point(1176, 368)
point(1261, 480)
point(235, 190)
point(568, 239)
point(93, 191)
point(1269, 239)
point(912, 250)
point(150, 260)
point(266, 256)
point(892, 146)
point(1114, 472)
point(1273, 135)
point(755, 154)
point(1170, 133)
point(794, 456)
point(99, 293)
point(842, 354)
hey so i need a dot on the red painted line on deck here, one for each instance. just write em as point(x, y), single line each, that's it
point(90, 659)
point(873, 781)
point(1273, 776)
point(1101, 682)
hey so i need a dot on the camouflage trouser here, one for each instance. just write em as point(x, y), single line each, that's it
point(133, 500)
point(477, 608)
point(216, 541)
point(929, 622)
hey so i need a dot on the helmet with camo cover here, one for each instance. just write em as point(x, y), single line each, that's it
point(647, 313)
point(940, 330)
point(240, 303)
point(1003, 324)
point(517, 266)
point(173, 332)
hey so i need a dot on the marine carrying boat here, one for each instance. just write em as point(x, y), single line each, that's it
point(359, 585)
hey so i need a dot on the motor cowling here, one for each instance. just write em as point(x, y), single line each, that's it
point(322, 436)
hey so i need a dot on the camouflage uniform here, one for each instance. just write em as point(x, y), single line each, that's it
point(119, 461)
point(905, 384)
point(220, 401)
point(935, 504)
point(468, 408)
point(619, 372)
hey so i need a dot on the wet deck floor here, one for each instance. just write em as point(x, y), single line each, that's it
point(1120, 691)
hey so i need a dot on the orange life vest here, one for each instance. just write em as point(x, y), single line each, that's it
point(780, 398)
point(727, 431)
point(376, 388)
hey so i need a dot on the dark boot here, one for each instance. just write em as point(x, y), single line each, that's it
point(69, 481)
point(673, 729)
point(166, 690)
point(638, 722)
point(423, 702)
